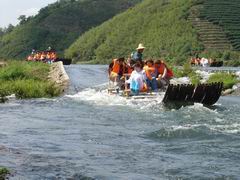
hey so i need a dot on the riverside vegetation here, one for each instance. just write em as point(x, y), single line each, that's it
point(26, 80)
point(228, 79)
point(3, 173)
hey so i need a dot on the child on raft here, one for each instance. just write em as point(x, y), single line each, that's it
point(137, 80)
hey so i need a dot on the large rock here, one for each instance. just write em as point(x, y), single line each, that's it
point(227, 92)
point(236, 92)
point(59, 76)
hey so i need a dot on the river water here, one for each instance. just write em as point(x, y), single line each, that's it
point(88, 134)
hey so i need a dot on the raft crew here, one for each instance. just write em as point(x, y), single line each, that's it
point(116, 70)
point(129, 66)
point(151, 75)
point(136, 79)
point(43, 56)
point(204, 62)
point(164, 74)
point(137, 56)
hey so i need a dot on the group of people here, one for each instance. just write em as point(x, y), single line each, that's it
point(48, 56)
point(204, 62)
point(138, 75)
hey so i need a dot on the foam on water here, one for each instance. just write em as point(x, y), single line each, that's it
point(201, 108)
point(103, 98)
point(224, 128)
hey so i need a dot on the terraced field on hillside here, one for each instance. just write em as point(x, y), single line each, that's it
point(212, 36)
point(225, 14)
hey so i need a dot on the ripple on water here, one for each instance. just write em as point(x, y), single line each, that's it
point(92, 135)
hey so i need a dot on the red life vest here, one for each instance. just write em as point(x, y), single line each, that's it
point(161, 70)
point(116, 66)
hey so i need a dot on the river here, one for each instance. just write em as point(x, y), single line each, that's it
point(88, 134)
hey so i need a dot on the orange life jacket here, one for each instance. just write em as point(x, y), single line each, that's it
point(38, 57)
point(150, 71)
point(43, 56)
point(30, 58)
point(129, 69)
point(53, 56)
point(145, 88)
point(116, 66)
point(161, 68)
point(48, 56)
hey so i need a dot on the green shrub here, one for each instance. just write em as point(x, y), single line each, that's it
point(26, 80)
point(3, 173)
point(195, 78)
point(228, 79)
point(232, 63)
point(24, 70)
point(34, 89)
point(186, 71)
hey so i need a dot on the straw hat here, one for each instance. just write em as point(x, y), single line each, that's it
point(140, 46)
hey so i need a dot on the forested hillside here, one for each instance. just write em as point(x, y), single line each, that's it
point(58, 25)
point(173, 29)
point(161, 25)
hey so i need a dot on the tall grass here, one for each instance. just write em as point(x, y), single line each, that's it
point(26, 80)
point(229, 80)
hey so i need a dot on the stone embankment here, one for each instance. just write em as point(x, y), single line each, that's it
point(59, 76)
point(235, 91)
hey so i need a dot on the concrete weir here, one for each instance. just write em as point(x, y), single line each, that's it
point(59, 76)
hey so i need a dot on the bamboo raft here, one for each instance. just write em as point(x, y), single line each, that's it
point(206, 94)
point(182, 94)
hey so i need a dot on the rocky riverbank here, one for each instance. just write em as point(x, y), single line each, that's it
point(231, 86)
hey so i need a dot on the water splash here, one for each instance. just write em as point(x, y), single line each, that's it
point(101, 97)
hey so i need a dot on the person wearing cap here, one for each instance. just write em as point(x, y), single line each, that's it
point(138, 55)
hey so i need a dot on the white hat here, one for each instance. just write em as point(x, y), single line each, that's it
point(140, 46)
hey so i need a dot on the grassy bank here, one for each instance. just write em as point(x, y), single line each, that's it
point(26, 80)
